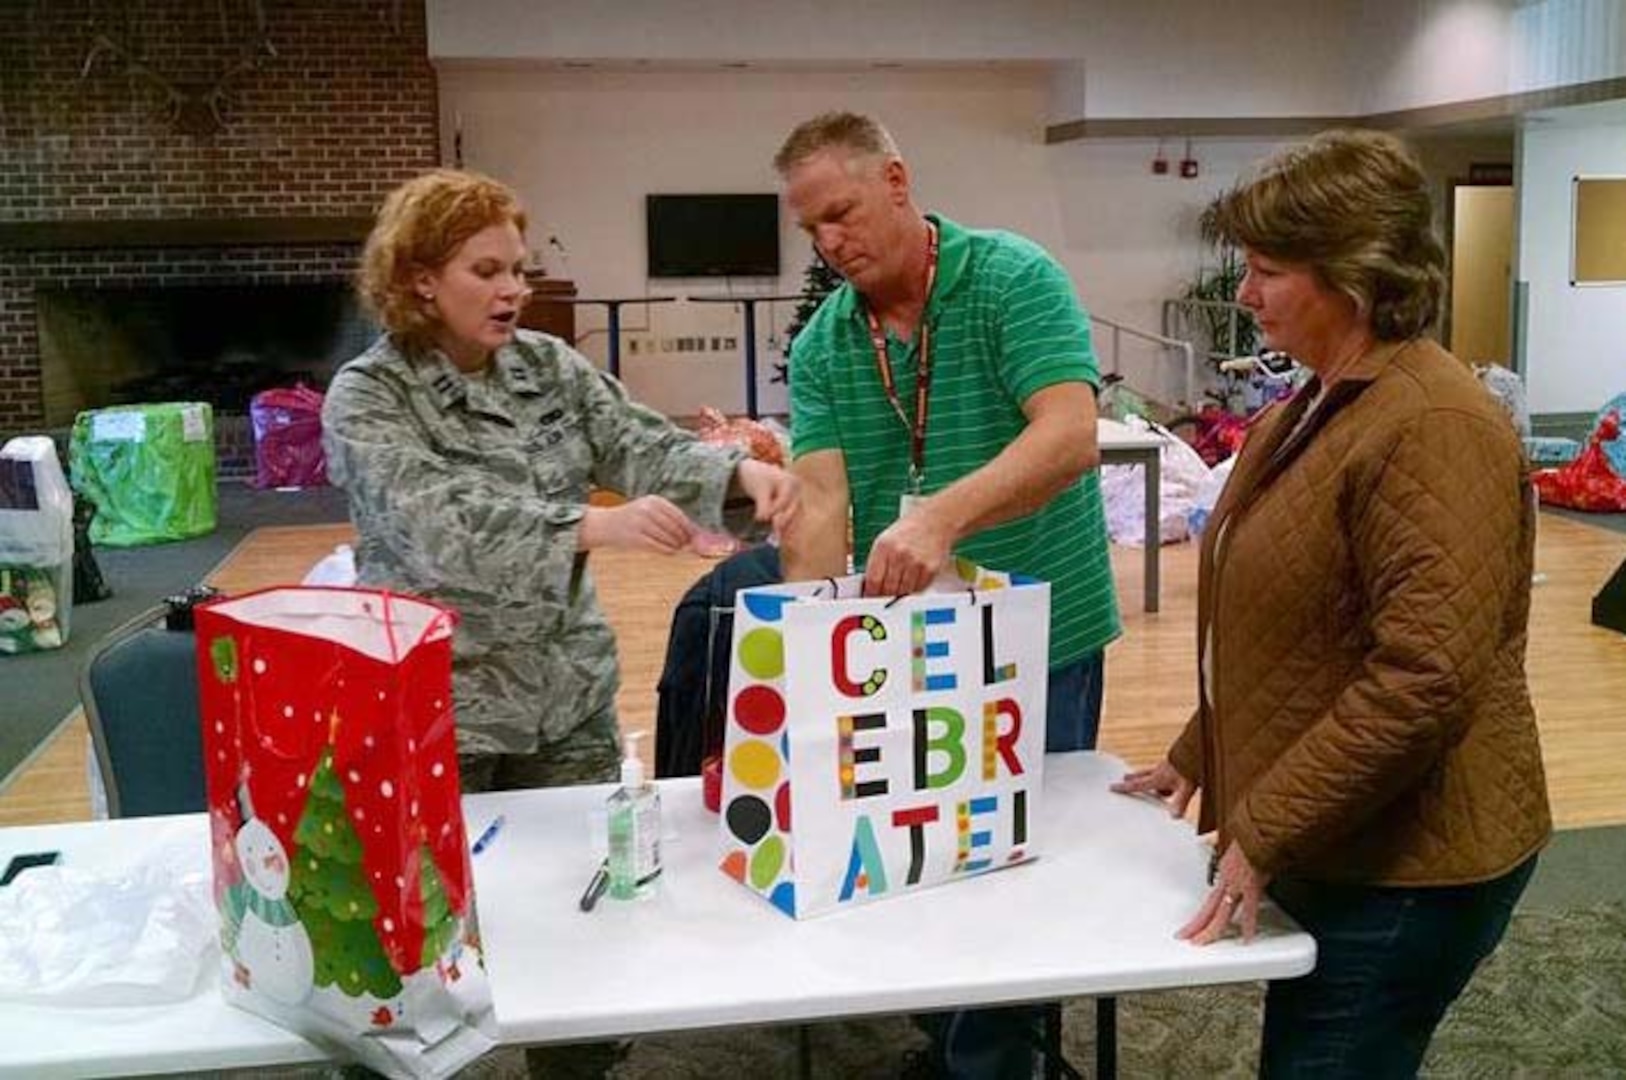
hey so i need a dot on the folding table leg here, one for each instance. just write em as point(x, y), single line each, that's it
point(1106, 1038)
point(1056, 1065)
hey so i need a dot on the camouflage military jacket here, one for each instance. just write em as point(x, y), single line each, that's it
point(470, 491)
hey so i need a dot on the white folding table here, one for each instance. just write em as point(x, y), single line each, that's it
point(1094, 915)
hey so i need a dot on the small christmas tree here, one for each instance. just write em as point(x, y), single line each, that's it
point(819, 281)
point(329, 889)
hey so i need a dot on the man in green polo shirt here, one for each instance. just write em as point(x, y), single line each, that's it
point(952, 374)
point(945, 394)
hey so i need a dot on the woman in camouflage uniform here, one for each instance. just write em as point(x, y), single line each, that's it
point(468, 448)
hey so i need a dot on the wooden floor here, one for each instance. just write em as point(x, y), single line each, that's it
point(1577, 671)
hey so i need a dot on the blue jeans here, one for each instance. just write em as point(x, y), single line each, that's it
point(985, 1044)
point(1073, 704)
point(1389, 962)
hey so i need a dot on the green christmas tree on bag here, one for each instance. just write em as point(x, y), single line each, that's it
point(330, 891)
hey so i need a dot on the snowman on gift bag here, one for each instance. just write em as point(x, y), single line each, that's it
point(270, 945)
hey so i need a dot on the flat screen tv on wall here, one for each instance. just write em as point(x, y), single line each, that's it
point(712, 235)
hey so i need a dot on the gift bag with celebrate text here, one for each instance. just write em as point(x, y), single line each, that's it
point(341, 866)
point(879, 746)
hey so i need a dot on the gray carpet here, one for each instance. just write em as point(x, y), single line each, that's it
point(42, 689)
point(1551, 1002)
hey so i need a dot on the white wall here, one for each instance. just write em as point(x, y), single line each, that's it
point(1415, 53)
point(1575, 339)
point(1119, 60)
point(1560, 42)
point(811, 31)
point(1217, 58)
point(978, 86)
point(584, 148)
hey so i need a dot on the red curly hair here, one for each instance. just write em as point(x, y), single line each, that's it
point(420, 226)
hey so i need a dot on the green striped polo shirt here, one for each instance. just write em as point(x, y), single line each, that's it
point(1005, 324)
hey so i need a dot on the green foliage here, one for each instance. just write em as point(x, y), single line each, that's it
point(328, 887)
point(818, 282)
point(1224, 333)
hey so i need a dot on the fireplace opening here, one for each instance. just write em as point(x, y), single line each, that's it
point(216, 343)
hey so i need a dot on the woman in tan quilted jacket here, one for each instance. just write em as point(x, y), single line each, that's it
point(1364, 742)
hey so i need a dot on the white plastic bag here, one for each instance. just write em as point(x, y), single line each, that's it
point(1123, 489)
point(71, 937)
point(1208, 495)
point(337, 568)
point(36, 547)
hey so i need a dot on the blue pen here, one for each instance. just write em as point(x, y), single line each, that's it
point(489, 835)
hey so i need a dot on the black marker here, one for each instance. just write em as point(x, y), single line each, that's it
point(596, 887)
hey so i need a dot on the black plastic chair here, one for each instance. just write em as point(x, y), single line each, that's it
point(140, 693)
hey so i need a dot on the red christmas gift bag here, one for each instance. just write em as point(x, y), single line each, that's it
point(341, 866)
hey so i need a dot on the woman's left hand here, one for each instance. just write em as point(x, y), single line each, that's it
point(777, 493)
point(1235, 897)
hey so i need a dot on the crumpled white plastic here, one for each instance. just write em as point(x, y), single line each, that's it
point(1182, 474)
point(73, 937)
point(336, 569)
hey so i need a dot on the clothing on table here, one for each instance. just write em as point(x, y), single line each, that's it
point(471, 490)
point(1363, 595)
point(1004, 324)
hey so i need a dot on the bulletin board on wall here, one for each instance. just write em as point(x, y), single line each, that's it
point(1598, 231)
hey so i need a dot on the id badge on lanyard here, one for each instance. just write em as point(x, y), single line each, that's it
point(914, 494)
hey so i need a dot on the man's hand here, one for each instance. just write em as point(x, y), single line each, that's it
point(776, 493)
point(1163, 782)
point(908, 555)
point(650, 523)
point(1235, 897)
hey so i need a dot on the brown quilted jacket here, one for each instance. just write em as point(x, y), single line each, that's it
point(1364, 591)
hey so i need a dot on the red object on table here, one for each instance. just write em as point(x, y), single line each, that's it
point(711, 783)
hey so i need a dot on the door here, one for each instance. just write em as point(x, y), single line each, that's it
point(1481, 273)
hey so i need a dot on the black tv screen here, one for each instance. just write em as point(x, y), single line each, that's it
point(712, 235)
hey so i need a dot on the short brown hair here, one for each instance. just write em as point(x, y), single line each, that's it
point(420, 226)
point(858, 134)
point(1355, 206)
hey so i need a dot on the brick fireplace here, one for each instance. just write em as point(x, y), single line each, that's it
point(172, 144)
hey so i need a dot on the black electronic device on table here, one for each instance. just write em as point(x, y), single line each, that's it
point(30, 861)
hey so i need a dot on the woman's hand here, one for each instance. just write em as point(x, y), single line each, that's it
point(649, 523)
point(776, 493)
point(1235, 897)
point(1163, 782)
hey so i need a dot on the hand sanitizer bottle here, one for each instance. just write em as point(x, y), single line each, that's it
point(634, 831)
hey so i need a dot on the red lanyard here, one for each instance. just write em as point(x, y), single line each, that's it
point(923, 368)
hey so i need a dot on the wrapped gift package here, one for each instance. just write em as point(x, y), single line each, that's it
point(150, 470)
point(36, 547)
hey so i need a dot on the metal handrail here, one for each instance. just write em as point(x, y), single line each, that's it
point(1177, 312)
point(1184, 347)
